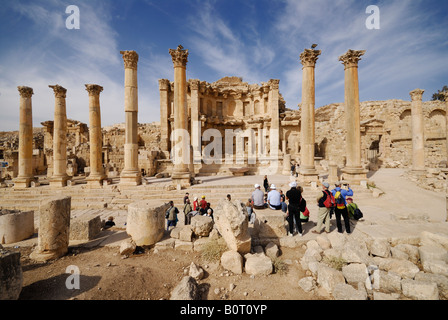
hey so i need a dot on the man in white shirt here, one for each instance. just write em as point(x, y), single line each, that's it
point(258, 198)
point(274, 199)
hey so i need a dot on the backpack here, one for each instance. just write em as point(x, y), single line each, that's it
point(340, 203)
point(357, 214)
point(329, 202)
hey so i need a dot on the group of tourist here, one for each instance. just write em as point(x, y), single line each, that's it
point(201, 207)
point(337, 201)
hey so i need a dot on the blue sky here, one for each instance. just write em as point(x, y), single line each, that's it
point(254, 39)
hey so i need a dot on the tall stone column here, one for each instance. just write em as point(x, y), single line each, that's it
point(181, 173)
point(25, 176)
point(130, 175)
point(353, 170)
point(307, 171)
point(97, 175)
point(445, 95)
point(195, 123)
point(164, 90)
point(59, 177)
point(418, 139)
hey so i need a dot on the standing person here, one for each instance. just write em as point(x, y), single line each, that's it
point(229, 197)
point(266, 184)
point(294, 196)
point(187, 211)
point(341, 205)
point(293, 169)
point(250, 210)
point(324, 209)
point(258, 198)
point(274, 199)
point(203, 206)
point(186, 197)
point(195, 204)
point(171, 216)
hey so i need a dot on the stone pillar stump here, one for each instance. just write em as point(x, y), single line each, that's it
point(54, 229)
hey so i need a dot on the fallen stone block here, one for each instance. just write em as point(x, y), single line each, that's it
point(11, 276)
point(257, 264)
point(85, 228)
point(420, 290)
point(232, 261)
point(343, 291)
point(16, 225)
point(187, 289)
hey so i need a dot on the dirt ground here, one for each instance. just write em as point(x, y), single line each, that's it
point(152, 275)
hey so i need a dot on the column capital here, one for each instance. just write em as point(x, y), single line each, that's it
point(59, 92)
point(194, 84)
point(179, 56)
point(309, 57)
point(274, 84)
point(164, 85)
point(351, 58)
point(444, 94)
point(25, 92)
point(417, 94)
point(130, 59)
point(94, 89)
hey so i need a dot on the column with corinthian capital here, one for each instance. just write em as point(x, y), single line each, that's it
point(418, 138)
point(59, 177)
point(445, 96)
point(307, 171)
point(130, 175)
point(25, 176)
point(353, 172)
point(97, 175)
point(181, 153)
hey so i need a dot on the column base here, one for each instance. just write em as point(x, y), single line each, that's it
point(130, 178)
point(354, 175)
point(23, 182)
point(43, 256)
point(419, 171)
point(308, 175)
point(95, 181)
point(59, 181)
point(182, 180)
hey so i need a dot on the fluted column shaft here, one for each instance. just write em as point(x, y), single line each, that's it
point(418, 139)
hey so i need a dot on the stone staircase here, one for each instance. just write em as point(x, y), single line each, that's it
point(116, 197)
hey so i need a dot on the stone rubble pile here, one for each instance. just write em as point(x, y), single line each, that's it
point(357, 267)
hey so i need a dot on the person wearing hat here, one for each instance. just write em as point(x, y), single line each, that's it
point(203, 206)
point(258, 197)
point(341, 209)
point(324, 212)
point(274, 198)
point(294, 196)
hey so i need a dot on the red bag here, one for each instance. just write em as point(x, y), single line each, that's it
point(306, 213)
point(330, 201)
